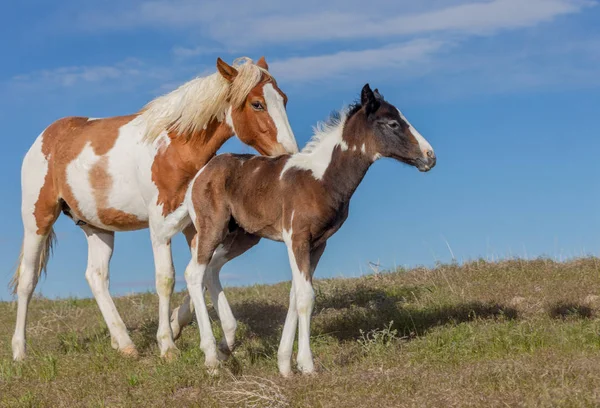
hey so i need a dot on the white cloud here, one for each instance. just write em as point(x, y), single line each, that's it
point(255, 23)
point(469, 18)
point(323, 67)
point(128, 72)
point(73, 75)
point(185, 52)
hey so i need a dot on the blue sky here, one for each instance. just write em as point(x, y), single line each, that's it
point(506, 91)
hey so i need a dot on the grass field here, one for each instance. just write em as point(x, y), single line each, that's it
point(514, 333)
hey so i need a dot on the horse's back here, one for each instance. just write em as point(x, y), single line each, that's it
point(66, 137)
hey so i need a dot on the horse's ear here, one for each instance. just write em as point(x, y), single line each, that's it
point(378, 96)
point(262, 62)
point(227, 71)
point(368, 100)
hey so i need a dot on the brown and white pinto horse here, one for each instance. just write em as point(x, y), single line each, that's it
point(300, 199)
point(132, 172)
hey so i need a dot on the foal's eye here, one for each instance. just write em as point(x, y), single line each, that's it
point(393, 124)
point(257, 106)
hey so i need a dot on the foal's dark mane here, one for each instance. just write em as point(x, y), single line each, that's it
point(352, 109)
point(336, 116)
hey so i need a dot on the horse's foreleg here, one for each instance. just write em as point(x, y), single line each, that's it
point(165, 282)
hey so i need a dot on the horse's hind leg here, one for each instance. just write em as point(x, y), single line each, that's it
point(34, 254)
point(40, 209)
point(100, 249)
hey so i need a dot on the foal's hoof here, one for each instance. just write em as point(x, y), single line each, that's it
point(129, 351)
point(224, 351)
point(171, 354)
point(213, 369)
point(19, 356)
point(222, 356)
point(175, 329)
point(307, 368)
point(286, 374)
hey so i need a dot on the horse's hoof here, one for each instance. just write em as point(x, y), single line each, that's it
point(171, 354)
point(129, 351)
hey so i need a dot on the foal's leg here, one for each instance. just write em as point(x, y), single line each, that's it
point(100, 249)
point(183, 315)
point(211, 232)
point(235, 244)
point(303, 262)
point(286, 345)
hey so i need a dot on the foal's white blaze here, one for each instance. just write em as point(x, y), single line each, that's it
point(276, 109)
point(317, 154)
point(423, 144)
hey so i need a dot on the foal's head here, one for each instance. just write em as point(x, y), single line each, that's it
point(390, 133)
point(260, 119)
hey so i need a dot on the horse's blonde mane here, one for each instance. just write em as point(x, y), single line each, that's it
point(189, 108)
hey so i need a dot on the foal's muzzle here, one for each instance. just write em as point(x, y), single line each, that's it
point(427, 163)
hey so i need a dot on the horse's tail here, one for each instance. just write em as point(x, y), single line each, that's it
point(47, 249)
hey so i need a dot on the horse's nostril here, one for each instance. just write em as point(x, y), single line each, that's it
point(430, 154)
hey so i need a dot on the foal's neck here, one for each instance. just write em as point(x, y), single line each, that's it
point(349, 164)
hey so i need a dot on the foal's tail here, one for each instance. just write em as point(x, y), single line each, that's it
point(46, 252)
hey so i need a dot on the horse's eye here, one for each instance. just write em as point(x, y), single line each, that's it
point(393, 124)
point(257, 106)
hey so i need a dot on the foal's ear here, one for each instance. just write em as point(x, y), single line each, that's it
point(262, 62)
point(368, 100)
point(227, 71)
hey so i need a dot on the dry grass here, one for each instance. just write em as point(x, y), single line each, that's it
point(514, 333)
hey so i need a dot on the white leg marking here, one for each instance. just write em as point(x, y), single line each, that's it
point(286, 345)
point(276, 109)
point(182, 316)
point(194, 276)
point(100, 248)
point(33, 175)
point(303, 295)
point(165, 281)
point(304, 304)
point(32, 247)
point(213, 283)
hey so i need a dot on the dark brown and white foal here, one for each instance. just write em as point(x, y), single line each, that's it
point(300, 199)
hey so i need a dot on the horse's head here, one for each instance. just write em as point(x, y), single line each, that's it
point(260, 120)
point(393, 136)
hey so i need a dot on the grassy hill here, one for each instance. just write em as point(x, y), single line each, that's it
point(514, 333)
